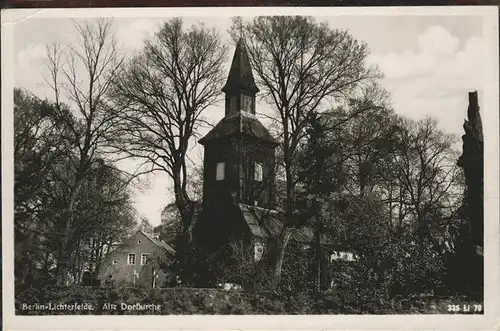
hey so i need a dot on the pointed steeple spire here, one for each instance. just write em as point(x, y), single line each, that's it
point(240, 75)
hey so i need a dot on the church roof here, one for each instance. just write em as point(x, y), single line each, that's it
point(243, 124)
point(240, 75)
point(267, 223)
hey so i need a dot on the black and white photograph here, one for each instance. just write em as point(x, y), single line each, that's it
point(250, 162)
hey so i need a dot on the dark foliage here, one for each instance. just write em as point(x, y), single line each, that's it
point(190, 301)
point(44, 159)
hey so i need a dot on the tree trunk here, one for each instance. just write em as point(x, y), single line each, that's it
point(317, 239)
point(100, 254)
point(471, 161)
point(182, 202)
point(62, 256)
point(282, 242)
point(390, 208)
point(286, 232)
point(26, 268)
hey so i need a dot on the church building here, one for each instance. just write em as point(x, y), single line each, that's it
point(239, 166)
point(239, 172)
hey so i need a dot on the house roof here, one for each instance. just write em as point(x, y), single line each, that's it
point(116, 247)
point(267, 223)
point(240, 74)
point(159, 243)
point(239, 124)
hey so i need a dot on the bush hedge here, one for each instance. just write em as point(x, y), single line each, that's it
point(186, 301)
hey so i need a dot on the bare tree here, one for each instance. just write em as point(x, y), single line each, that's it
point(81, 73)
point(145, 225)
point(161, 93)
point(171, 224)
point(300, 65)
point(428, 177)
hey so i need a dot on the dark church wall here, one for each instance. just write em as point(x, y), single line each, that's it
point(240, 154)
point(221, 218)
point(220, 223)
point(213, 190)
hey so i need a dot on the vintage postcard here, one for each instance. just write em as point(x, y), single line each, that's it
point(250, 168)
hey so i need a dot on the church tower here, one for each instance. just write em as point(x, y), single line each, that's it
point(239, 160)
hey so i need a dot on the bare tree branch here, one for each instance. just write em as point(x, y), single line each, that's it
point(161, 94)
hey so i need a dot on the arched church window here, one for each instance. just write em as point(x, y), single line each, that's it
point(246, 103)
point(220, 171)
point(258, 172)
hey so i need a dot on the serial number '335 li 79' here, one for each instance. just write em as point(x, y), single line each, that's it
point(465, 308)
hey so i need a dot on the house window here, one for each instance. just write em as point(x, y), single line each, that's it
point(139, 242)
point(131, 259)
point(144, 258)
point(220, 171)
point(258, 172)
point(114, 262)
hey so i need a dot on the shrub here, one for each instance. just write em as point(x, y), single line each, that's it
point(188, 301)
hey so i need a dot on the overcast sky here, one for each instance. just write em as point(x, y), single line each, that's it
point(430, 63)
